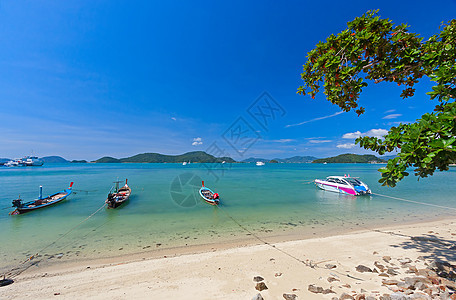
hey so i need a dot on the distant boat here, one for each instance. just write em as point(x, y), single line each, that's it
point(208, 195)
point(344, 185)
point(260, 163)
point(31, 161)
point(26, 161)
point(40, 202)
point(184, 163)
point(118, 196)
point(325, 163)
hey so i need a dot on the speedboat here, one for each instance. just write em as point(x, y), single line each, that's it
point(343, 184)
point(260, 163)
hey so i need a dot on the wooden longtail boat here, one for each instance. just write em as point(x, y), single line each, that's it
point(118, 196)
point(40, 202)
point(208, 195)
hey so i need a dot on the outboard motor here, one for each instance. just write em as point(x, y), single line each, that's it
point(111, 198)
point(17, 203)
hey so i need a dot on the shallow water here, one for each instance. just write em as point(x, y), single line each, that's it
point(165, 209)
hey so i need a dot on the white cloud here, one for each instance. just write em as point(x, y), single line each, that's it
point(315, 119)
point(390, 111)
point(283, 141)
point(392, 116)
point(346, 146)
point(378, 133)
point(197, 141)
point(173, 118)
point(352, 135)
point(319, 141)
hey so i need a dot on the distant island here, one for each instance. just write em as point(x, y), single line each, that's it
point(351, 158)
point(193, 157)
point(203, 157)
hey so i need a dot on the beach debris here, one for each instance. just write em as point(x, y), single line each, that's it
point(362, 269)
point(6, 281)
point(278, 274)
point(330, 266)
point(289, 296)
point(315, 289)
point(260, 286)
point(258, 297)
point(331, 279)
point(56, 294)
point(59, 255)
point(258, 278)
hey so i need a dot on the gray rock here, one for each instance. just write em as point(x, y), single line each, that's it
point(423, 296)
point(331, 279)
point(385, 297)
point(258, 297)
point(315, 289)
point(387, 258)
point(260, 286)
point(370, 298)
point(398, 296)
point(405, 261)
point(258, 278)
point(346, 296)
point(390, 282)
point(328, 291)
point(362, 269)
point(391, 271)
point(289, 296)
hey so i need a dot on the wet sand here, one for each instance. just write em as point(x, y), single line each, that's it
point(226, 271)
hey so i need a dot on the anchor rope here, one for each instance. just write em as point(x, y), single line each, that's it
point(12, 275)
point(416, 202)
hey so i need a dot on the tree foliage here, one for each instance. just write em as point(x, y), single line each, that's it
point(374, 50)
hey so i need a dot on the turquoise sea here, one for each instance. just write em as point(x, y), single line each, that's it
point(275, 201)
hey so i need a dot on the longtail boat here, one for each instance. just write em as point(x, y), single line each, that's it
point(118, 196)
point(40, 202)
point(208, 195)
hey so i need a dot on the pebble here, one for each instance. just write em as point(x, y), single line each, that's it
point(315, 289)
point(260, 286)
point(289, 296)
point(258, 278)
point(258, 297)
point(362, 269)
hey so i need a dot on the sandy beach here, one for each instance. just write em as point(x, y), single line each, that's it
point(329, 263)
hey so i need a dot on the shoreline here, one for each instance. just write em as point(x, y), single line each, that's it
point(251, 258)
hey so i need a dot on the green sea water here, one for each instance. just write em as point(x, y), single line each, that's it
point(272, 202)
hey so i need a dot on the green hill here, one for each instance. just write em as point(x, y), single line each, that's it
point(194, 157)
point(107, 159)
point(54, 160)
point(350, 158)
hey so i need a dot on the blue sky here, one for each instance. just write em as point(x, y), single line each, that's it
point(85, 79)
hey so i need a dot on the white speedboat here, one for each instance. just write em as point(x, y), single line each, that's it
point(260, 163)
point(343, 184)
